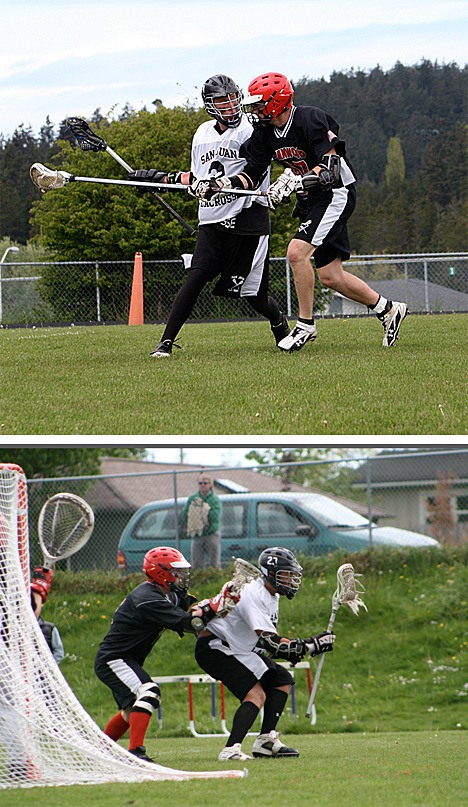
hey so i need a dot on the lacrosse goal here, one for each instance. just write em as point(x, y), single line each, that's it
point(46, 737)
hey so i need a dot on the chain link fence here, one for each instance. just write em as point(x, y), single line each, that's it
point(50, 293)
point(293, 503)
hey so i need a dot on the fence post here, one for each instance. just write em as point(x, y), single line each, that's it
point(98, 295)
point(426, 289)
point(369, 498)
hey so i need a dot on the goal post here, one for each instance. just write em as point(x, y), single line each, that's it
point(46, 737)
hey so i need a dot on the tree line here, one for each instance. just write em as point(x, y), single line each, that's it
point(405, 131)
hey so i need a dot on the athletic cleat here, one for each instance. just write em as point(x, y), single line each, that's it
point(140, 752)
point(269, 745)
point(164, 349)
point(232, 752)
point(281, 331)
point(301, 333)
point(391, 321)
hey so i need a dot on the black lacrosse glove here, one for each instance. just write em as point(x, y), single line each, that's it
point(148, 175)
point(300, 208)
point(323, 643)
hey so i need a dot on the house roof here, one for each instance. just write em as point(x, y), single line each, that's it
point(402, 469)
point(127, 484)
point(416, 293)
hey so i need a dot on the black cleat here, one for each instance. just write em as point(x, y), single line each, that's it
point(282, 330)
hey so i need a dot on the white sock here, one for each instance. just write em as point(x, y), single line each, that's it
point(379, 307)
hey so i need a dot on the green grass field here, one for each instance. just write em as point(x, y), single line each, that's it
point(229, 379)
point(391, 704)
point(366, 770)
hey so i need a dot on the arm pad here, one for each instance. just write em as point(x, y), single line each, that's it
point(277, 647)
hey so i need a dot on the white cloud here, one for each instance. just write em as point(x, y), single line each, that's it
point(70, 57)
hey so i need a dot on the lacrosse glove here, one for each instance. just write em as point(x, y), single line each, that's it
point(207, 188)
point(323, 643)
point(148, 175)
point(42, 581)
point(300, 208)
point(329, 175)
point(282, 188)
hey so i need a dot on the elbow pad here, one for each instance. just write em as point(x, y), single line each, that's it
point(276, 647)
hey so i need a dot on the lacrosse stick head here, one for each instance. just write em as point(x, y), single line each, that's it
point(46, 179)
point(244, 572)
point(65, 525)
point(348, 589)
point(85, 137)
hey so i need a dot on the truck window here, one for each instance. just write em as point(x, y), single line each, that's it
point(275, 519)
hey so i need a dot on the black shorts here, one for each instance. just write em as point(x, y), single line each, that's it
point(240, 260)
point(235, 675)
point(326, 225)
point(123, 677)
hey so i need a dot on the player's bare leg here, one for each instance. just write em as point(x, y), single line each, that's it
point(299, 255)
point(391, 314)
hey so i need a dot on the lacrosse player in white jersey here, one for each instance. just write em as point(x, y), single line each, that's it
point(240, 650)
point(233, 236)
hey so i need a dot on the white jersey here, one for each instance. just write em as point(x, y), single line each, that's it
point(216, 154)
point(256, 610)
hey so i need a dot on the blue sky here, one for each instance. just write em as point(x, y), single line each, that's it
point(63, 57)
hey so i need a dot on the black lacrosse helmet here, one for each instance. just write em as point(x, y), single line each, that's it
point(282, 570)
point(229, 113)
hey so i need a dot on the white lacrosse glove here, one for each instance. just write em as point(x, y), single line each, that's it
point(207, 188)
point(282, 188)
point(322, 643)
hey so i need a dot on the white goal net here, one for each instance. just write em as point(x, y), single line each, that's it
point(46, 737)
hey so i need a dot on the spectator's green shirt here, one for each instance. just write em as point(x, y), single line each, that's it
point(214, 513)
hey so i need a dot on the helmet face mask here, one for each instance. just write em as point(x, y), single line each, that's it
point(167, 567)
point(222, 100)
point(280, 567)
point(269, 96)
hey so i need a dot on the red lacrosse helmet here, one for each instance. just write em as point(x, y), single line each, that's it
point(167, 567)
point(271, 94)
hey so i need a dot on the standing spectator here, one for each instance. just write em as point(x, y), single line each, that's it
point(202, 514)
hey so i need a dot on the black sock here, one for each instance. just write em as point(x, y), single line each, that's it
point(307, 321)
point(272, 710)
point(244, 719)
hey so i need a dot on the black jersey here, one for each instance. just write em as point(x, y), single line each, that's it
point(140, 620)
point(300, 144)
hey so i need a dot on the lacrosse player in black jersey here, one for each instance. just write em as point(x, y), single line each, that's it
point(161, 603)
point(233, 236)
point(305, 140)
point(240, 650)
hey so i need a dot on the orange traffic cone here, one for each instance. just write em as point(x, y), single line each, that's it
point(136, 316)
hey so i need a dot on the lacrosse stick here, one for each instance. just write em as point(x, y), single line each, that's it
point(48, 179)
point(244, 572)
point(346, 593)
point(65, 525)
point(90, 141)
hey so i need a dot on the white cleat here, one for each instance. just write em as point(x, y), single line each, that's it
point(301, 333)
point(269, 745)
point(232, 752)
point(391, 322)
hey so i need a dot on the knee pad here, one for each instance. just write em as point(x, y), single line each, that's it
point(148, 698)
